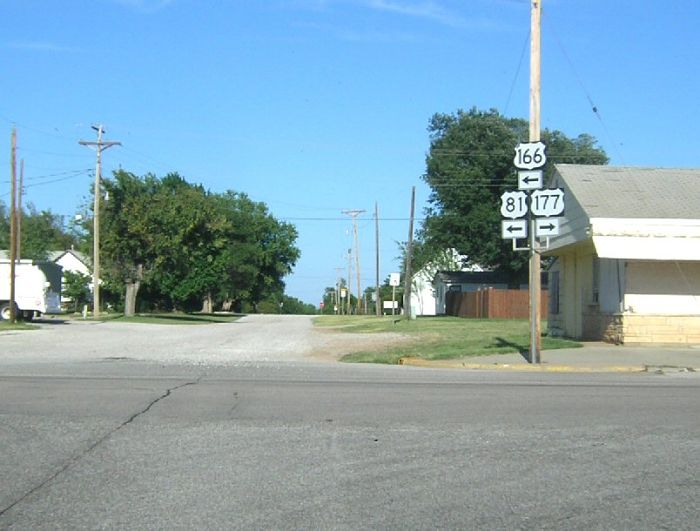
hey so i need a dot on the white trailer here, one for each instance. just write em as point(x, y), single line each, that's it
point(37, 288)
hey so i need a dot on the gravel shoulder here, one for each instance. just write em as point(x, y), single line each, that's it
point(269, 338)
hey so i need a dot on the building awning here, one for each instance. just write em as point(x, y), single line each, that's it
point(646, 239)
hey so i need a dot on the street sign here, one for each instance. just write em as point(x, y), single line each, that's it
point(514, 204)
point(530, 180)
point(547, 202)
point(530, 155)
point(547, 227)
point(394, 279)
point(512, 229)
point(343, 293)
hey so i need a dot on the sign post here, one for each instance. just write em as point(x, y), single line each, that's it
point(530, 214)
point(394, 281)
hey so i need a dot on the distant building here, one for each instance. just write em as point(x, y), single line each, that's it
point(71, 260)
point(464, 281)
point(424, 298)
point(74, 261)
point(627, 266)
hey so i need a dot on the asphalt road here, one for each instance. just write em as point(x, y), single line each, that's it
point(124, 444)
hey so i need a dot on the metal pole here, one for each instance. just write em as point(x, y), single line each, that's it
point(535, 77)
point(408, 280)
point(347, 289)
point(378, 299)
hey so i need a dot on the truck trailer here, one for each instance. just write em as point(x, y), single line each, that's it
point(37, 288)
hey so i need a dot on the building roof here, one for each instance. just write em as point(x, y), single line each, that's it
point(53, 256)
point(629, 213)
point(628, 192)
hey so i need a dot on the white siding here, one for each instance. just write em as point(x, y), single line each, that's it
point(663, 288)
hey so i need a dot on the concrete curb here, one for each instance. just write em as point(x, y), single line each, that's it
point(523, 367)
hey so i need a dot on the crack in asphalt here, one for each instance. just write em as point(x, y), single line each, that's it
point(72, 461)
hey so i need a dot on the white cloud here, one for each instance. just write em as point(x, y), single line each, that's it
point(145, 6)
point(429, 10)
point(42, 46)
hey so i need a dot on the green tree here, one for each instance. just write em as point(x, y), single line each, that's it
point(76, 288)
point(187, 245)
point(469, 166)
point(4, 226)
point(42, 232)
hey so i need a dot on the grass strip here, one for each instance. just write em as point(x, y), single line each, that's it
point(19, 325)
point(440, 338)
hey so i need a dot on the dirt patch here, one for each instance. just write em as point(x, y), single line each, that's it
point(331, 344)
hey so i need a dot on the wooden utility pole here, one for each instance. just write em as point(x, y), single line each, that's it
point(353, 214)
point(535, 279)
point(99, 146)
point(13, 223)
point(378, 301)
point(408, 279)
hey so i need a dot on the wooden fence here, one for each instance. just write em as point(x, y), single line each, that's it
point(492, 303)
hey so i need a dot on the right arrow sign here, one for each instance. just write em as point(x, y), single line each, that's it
point(546, 227)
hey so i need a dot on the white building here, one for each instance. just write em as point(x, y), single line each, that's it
point(627, 266)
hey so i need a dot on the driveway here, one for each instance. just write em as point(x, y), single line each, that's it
point(254, 338)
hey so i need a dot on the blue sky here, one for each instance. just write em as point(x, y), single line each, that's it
point(316, 106)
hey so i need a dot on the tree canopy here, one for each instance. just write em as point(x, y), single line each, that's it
point(41, 232)
point(187, 245)
point(469, 166)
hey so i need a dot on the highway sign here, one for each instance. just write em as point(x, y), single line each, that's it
point(530, 180)
point(546, 227)
point(547, 202)
point(530, 155)
point(512, 229)
point(514, 204)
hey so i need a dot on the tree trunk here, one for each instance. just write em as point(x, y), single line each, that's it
point(208, 304)
point(132, 290)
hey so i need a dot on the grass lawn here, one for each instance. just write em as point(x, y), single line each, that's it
point(19, 325)
point(442, 337)
point(171, 318)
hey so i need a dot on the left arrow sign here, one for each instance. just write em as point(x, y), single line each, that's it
point(512, 229)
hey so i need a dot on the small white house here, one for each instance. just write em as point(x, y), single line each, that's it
point(71, 260)
point(627, 267)
point(424, 295)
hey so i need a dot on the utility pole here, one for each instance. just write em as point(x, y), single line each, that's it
point(13, 223)
point(378, 299)
point(99, 146)
point(535, 77)
point(408, 280)
point(353, 214)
